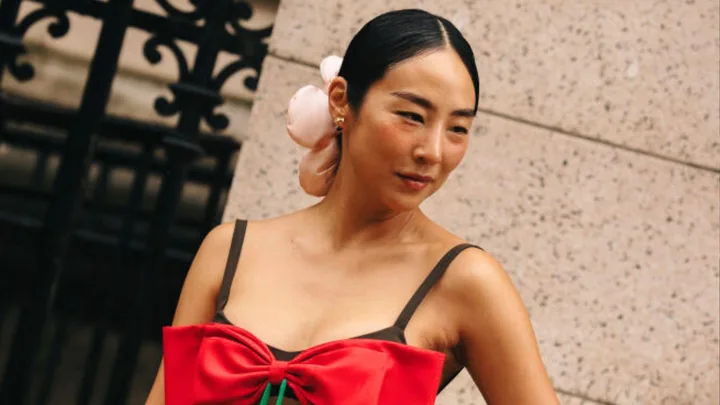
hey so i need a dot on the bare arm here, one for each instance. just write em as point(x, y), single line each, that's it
point(497, 342)
point(196, 304)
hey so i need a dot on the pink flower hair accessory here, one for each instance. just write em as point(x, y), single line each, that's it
point(310, 125)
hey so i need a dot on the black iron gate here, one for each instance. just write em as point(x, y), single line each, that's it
point(142, 251)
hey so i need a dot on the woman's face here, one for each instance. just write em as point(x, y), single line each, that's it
point(412, 129)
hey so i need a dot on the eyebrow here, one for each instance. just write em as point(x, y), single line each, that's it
point(427, 104)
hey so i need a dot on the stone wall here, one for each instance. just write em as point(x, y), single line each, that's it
point(592, 175)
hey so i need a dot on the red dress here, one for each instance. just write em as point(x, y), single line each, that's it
point(220, 363)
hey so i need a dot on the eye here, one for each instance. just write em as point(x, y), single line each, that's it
point(412, 116)
point(460, 130)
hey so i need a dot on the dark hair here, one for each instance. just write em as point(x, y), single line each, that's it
point(394, 37)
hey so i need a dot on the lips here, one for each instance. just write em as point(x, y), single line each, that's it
point(414, 181)
point(416, 177)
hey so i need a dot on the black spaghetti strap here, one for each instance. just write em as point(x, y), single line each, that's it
point(232, 262)
point(428, 284)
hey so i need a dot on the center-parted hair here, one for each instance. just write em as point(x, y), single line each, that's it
point(394, 37)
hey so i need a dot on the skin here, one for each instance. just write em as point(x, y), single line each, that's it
point(347, 265)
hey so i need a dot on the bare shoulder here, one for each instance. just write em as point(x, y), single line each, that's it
point(483, 294)
point(202, 282)
point(218, 240)
point(209, 261)
point(476, 274)
point(497, 343)
point(473, 272)
point(220, 235)
point(474, 279)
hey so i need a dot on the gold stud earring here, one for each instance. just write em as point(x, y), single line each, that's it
point(338, 124)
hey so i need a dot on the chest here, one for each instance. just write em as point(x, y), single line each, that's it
point(294, 297)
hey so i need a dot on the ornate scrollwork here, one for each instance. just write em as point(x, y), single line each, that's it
point(164, 106)
point(253, 51)
point(240, 11)
point(202, 95)
point(232, 68)
point(251, 43)
point(57, 29)
point(217, 121)
point(201, 7)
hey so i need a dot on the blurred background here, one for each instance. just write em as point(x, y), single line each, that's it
point(129, 128)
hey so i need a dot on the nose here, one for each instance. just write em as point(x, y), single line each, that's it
point(429, 147)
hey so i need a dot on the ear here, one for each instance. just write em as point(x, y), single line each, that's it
point(337, 98)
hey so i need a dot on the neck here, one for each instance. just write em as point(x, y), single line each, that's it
point(352, 218)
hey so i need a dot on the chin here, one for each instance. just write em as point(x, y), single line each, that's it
point(398, 202)
point(398, 207)
point(396, 199)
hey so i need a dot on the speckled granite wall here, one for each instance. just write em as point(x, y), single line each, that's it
point(593, 175)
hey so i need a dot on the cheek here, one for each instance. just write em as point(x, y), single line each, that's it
point(389, 139)
point(454, 153)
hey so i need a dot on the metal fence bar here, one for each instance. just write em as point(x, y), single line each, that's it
point(10, 45)
point(142, 174)
point(87, 136)
point(216, 189)
point(68, 192)
point(58, 332)
point(196, 99)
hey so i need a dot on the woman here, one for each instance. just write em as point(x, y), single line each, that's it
point(363, 259)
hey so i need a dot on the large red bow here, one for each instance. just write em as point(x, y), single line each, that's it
point(232, 366)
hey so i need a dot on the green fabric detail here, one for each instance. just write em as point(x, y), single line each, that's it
point(266, 394)
point(281, 394)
